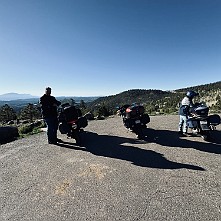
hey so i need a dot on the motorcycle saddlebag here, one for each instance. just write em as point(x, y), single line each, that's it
point(64, 128)
point(214, 119)
point(191, 123)
point(82, 122)
point(145, 119)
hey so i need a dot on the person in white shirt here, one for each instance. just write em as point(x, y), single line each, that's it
point(185, 110)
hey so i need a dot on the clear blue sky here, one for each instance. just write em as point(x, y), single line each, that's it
point(104, 47)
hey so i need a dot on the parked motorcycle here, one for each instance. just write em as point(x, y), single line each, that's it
point(134, 118)
point(71, 122)
point(201, 122)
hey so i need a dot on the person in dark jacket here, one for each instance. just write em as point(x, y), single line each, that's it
point(185, 111)
point(49, 106)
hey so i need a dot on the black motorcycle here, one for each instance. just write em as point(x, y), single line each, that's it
point(134, 118)
point(71, 122)
point(201, 122)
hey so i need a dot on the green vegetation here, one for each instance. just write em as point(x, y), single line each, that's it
point(30, 112)
point(7, 113)
point(30, 128)
point(160, 102)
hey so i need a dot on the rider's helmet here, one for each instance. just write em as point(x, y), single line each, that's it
point(191, 94)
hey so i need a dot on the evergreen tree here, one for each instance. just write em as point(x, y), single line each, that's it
point(7, 113)
point(103, 111)
point(218, 103)
point(30, 112)
point(72, 102)
point(82, 105)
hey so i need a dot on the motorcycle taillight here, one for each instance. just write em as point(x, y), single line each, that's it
point(128, 110)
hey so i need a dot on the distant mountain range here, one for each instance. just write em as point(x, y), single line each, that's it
point(15, 96)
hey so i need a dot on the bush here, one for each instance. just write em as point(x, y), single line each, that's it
point(32, 128)
point(26, 129)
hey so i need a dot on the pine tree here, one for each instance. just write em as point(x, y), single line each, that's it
point(82, 104)
point(7, 113)
point(103, 111)
point(30, 112)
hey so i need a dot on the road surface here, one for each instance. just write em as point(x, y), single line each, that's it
point(112, 176)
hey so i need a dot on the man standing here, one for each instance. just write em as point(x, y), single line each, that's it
point(185, 111)
point(50, 115)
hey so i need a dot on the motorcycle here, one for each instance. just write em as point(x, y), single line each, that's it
point(201, 122)
point(134, 118)
point(71, 122)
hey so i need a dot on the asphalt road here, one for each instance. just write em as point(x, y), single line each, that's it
point(112, 176)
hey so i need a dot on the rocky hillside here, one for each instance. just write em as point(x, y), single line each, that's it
point(209, 93)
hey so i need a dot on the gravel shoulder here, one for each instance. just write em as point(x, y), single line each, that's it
point(113, 176)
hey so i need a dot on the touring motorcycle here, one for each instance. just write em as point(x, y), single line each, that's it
point(134, 118)
point(71, 122)
point(201, 122)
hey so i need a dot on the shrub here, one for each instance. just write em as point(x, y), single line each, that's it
point(32, 128)
point(25, 129)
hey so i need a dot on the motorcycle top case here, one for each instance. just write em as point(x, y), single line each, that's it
point(214, 119)
point(134, 111)
point(191, 123)
point(201, 111)
point(71, 113)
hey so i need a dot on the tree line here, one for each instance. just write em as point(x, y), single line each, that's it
point(29, 112)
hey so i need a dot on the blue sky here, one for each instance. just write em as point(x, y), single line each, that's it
point(104, 47)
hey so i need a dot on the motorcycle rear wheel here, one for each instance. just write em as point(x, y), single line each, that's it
point(76, 136)
point(139, 132)
point(206, 136)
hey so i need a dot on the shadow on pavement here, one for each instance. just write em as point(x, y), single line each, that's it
point(172, 139)
point(113, 147)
